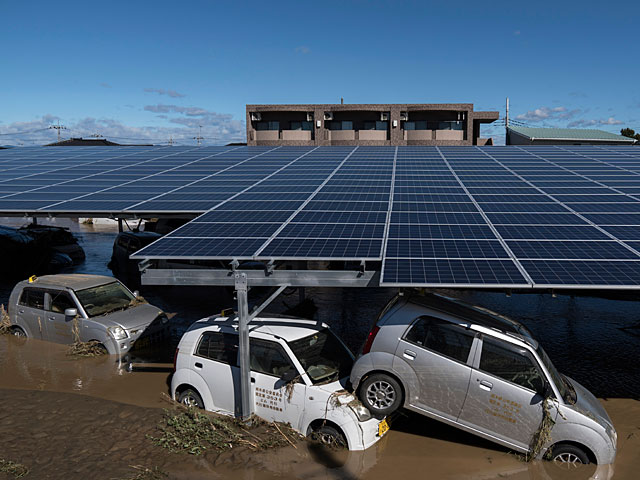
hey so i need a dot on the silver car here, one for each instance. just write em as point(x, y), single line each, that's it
point(483, 373)
point(45, 308)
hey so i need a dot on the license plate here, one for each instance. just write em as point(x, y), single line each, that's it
point(383, 427)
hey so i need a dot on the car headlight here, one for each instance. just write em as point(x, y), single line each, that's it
point(361, 412)
point(118, 333)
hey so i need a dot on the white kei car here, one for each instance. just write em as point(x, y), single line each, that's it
point(299, 370)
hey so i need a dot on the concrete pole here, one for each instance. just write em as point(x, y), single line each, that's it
point(243, 347)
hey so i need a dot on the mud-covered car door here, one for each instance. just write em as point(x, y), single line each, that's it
point(439, 353)
point(503, 399)
point(215, 360)
point(59, 325)
point(273, 400)
point(30, 311)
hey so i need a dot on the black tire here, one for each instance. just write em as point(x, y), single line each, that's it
point(381, 394)
point(18, 332)
point(568, 454)
point(329, 436)
point(191, 398)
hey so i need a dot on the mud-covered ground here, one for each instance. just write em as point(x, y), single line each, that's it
point(85, 419)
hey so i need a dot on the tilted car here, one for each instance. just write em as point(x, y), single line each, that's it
point(107, 312)
point(481, 372)
point(299, 371)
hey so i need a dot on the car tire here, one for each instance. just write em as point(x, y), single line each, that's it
point(18, 332)
point(381, 394)
point(568, 454)
point(191, 398)
point(328, 436)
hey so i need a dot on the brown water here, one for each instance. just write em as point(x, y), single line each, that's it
point(83, 418)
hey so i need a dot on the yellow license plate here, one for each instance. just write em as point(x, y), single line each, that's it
point(383, 427)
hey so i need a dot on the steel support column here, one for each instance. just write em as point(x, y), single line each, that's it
point(119, 225)
point(243, 346)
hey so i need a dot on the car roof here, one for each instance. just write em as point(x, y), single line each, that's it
point(289, 329)
point(75, 281)
point(472, 314)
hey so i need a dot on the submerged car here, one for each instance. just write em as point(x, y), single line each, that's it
point(299, 371)
point(126, 244)
point(481, 372)
point(107, 312)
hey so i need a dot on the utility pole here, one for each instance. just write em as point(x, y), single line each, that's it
point(58, 127)
point(171, 142)
point(507, 116)
point(199, 138)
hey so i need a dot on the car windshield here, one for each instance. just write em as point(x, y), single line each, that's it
point(323, 356)
point(567, 392)
point(104, 298)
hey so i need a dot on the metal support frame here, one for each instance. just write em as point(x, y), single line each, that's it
point(243, 346)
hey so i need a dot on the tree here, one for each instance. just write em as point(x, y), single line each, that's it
point(630, 132)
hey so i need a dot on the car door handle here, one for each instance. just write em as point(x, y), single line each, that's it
point(20, 311)
point(198, 365)
point(484, 385)
point(411, 355)
point(51, 318)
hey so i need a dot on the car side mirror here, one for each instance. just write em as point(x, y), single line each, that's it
point(136, 293)
point(288, 376)
point(71, 312)
point(547, 391)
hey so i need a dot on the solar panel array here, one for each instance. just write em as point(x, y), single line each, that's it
point(543, 216)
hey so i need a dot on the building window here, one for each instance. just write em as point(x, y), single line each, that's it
point(300, 126)
point(267, 125)
point(375, 125)
point(455, 125)
point(421, 125)
point(341, 125)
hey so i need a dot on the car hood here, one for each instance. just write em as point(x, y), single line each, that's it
point(587, 403)
point(138, 316)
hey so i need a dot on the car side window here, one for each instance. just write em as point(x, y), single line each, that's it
point(447, 338)
point(510, 363)
point(60, 301)
point(221, 347)
point(32, 298)
point(269, 357)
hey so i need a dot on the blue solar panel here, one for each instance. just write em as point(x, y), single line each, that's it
point(479, 216)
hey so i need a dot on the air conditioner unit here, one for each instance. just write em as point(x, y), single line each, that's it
point(310, 117)
point(404, 116)
point(384, 116)
point(256, 116)
point(328, 115)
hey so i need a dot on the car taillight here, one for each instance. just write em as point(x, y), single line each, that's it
point(372, 335)
point(175, 359)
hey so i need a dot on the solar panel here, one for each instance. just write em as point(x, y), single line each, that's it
point(542, 216)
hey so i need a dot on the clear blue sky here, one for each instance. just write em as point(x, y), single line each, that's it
point(157, 69)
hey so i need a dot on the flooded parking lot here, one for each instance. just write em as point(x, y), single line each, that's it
point(68, 417)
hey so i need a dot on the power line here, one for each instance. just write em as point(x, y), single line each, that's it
point(26, 131)
point(58, 127)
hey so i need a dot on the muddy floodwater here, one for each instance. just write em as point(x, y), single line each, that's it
point(68, 418)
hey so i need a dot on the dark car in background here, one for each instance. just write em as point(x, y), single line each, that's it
point(126, 243)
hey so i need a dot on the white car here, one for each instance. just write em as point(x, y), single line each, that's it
point(299, 370)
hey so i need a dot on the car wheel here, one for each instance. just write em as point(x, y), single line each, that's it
point(568, 455)
point(18, 332)
point(191, 398)
point(328, 436)
point(381, 394)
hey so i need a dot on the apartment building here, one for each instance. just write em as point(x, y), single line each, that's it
point(367, 124)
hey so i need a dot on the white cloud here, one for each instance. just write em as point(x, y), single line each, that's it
point(594, 122)
point(548, 113)
point(217, 129)
point(162, 91)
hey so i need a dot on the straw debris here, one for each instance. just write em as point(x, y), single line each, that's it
point(194, 431)
point(79, 348)
point(18, 470)
point(144, 473)
point(5, 322)
point(542, 436)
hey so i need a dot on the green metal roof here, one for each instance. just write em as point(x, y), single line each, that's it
point(569, 134)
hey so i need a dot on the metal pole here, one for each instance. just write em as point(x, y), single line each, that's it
point(35, 220)
point(243, 347)
point(119, 225)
